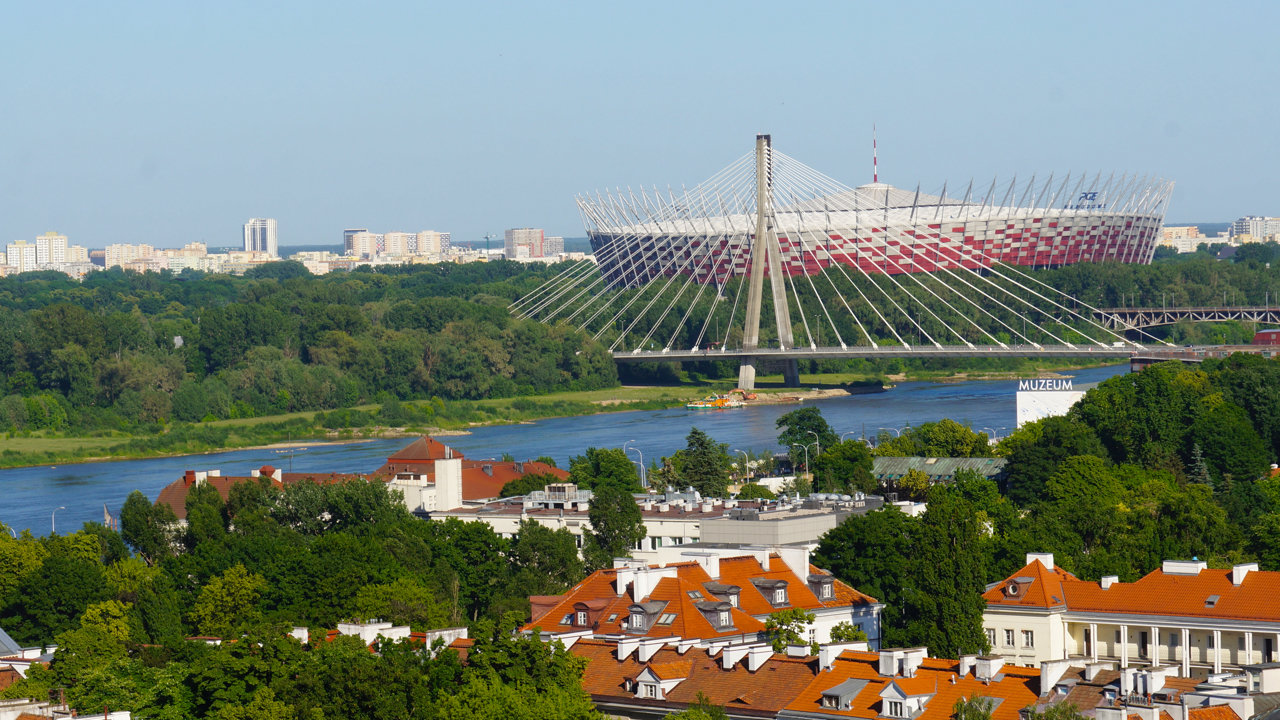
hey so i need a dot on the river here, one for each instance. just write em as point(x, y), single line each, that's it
point(29, 496)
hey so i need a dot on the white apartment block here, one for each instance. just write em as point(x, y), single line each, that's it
point(22, 255)
point(260, 236)
point(120, 254)
point(523, 243)
point(51, 249)
point(1183, 614)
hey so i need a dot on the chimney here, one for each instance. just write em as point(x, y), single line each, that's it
point(448, 484)
point(1238, 572)
point(488, 469)
point(988, 667)
point(1128, 677)
point(1051, 671)
point(189, 478)
point(757, 656)
point(913, 659)
point(1045, 559)
point(1184, 567)
point(649, 647)
point(520, 467)
point(889, 661)
point(1091, 670)
point(732, 654)
point(626, 646)
point(828, 654)
point(967, 664)
point(1109, 580)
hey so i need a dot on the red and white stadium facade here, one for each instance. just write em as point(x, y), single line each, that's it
point(706, 232)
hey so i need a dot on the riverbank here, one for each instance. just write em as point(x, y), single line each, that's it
point(446, 418)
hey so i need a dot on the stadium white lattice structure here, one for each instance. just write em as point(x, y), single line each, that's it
point(875, 268)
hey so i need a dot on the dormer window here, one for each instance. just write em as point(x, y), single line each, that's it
point(582, 617)
point(733, 599)
point(780, 596)
point(828, 591)
point(723, 618)
point(831, 702)
point(567, 619)
point(893, 708)
point(637, 621)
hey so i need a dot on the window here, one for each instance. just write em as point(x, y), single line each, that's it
point(1173, 640)
point(1117, 637)
point(830, 702)
point(695, 595)
point(723, 619)
point(894, 708)
point(582, 617)
point(733, 599)
point(567, 619)
point(780, 596)
point(650, 690)
point(1028, 639)
point(1008, 638)
point(1240, 644)
point(667, 619)
point(827, 591)
point(991, 637)
point(612, 617)
point(1208, 640)
point(637, 621)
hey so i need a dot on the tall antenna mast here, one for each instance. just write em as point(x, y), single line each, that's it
point(875, 161)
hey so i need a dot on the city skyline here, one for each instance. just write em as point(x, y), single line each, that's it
point(456, 121)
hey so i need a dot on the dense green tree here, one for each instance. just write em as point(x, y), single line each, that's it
point(788, 627)
point(598, 467)
point(945, 438)
point(229, 602)
point(147, 527)
point(805, 426)
point(49, 599)
point(403, 602)
point(845, 468)
point(616, 527)
point(703, 464)
point(1038, 448)
point(756, 491)
point(526, 484)
point(545, 561)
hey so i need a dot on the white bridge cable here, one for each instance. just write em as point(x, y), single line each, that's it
point(893, 330)
point(913, 276)
point(664, 271)
point(917, 300)
point(666, 211)
point(993, 260)
point(709, 248)
point(727, 236)
point(517, 304)
point(914, 252)
point(799, 235)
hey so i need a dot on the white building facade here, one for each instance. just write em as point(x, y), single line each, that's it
point(260, 236)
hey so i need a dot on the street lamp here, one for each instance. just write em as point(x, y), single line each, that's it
point(817, 442)
point(53, 519)
point(644, 481)
point(746, 464)
point(846, 433)
point(806, 454)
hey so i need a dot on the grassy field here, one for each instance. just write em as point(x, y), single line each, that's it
point(27, 445)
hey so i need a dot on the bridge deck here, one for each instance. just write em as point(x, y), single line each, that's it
point(895, 351)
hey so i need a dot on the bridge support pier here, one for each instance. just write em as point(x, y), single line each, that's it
point(747, 372)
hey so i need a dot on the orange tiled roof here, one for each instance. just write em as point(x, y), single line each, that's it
point(1157, 593)
point(671, 670)
point(765, 691)
point(1213, 712)
point(939, 678)
point(681, 595)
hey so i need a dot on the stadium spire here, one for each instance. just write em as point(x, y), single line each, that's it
point(875, 163)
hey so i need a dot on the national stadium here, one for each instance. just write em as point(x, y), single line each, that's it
point(706, 232)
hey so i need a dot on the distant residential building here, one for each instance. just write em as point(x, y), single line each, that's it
point(362, 243)
point(552, 245)
point(348, 239)
point(523, 243)
point(22, 255)
point(51, 249)
point(121, 254)
point(1183, 614)
point(399, 243)
point(1257, 228)
point(77, 254)
point(260, 236)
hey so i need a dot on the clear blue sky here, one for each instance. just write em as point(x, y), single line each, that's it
point(166, 122)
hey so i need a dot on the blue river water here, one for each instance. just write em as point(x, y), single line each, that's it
point(78, 492)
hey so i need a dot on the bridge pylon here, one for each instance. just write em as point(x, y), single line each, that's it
point(765, 249)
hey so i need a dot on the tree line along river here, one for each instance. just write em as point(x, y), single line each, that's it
point(78, 492)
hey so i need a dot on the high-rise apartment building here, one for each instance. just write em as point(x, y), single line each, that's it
point(364, 244)
point(400, 243)
point(1257, 226)
point(522, 242)
point(51, 249)
point(121, 254)
point(260, 236)
point(22, 255)
point(77, 254)
point(552, 245)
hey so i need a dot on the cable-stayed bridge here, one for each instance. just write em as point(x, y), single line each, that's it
point(873, 271)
